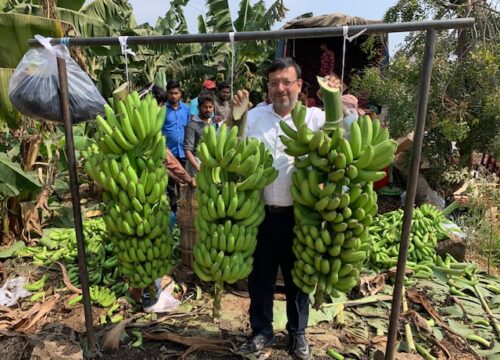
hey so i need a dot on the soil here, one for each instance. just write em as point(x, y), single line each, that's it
point(388, 203)
point(15, 348)
point(196, 321)
point(483, 264)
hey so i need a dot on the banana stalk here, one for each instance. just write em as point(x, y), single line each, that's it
point(408, 333)
point(487, 309)
point(218, 290)
point(332, 98)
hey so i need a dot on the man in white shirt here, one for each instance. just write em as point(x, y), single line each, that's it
point(275, 236)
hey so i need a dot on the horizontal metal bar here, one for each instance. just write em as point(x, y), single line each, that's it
point(273, 34)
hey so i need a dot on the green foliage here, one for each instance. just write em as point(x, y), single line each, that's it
point(465, 87)
point(480, 222)
point(14, 180)
point(214, 60)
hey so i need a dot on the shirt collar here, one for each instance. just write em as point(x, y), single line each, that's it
point(196, 118)
point(269, 108)
point(219, 101)
point(170, 105)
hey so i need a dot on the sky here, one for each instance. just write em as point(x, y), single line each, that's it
point(150, 10)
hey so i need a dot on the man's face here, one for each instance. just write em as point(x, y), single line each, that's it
point(224, 94)
point(206, 109)
point(284, 89)
point(174, 95)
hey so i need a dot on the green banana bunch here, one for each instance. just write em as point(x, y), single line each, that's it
point(127, 161)
point(103, 296)
point(102, 264)
point(332, 192)
point(133, 124)
point(426, 230)
point(232, 174)
point(37, 285)
point(331, 248)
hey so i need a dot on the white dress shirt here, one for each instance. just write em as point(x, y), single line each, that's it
point(263, 124)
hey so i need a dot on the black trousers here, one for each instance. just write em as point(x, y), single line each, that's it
point(173, 188)
point(274, 248)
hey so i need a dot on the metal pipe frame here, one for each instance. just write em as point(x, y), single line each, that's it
point(411, 189)
point(75, 199)
point(429, 26)
point(267, 35)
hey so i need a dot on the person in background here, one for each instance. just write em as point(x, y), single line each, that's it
point(208, 88)
point(157, 91)
point(351, 111)
point(327, 61)
point(194, 131)
point(222, 106)
point(304, 96)
point(159, 94)
point(176, 119)
point(176, 171)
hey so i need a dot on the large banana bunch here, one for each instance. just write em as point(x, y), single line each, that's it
point(232, 174)
point(426, 230)
point(127, 160)
point(334, 201)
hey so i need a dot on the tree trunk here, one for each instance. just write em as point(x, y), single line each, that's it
point(463, 11)
point(5, 223)
point(49, 11)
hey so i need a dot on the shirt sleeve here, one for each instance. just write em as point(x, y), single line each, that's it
point(186, 115)
point(190, 139)
point(176, 168)
point(248, 119)
point(193, 107)
point(316, 118)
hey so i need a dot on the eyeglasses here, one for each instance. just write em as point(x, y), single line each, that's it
point(286, 83)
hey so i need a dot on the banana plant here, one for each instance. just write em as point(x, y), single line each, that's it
point(251, 57)
point(14, 183)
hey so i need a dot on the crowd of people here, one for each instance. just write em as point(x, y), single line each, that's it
point(183, 129)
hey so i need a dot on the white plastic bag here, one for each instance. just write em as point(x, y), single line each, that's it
point(12, 291)
point(34, 85)
point(165, 300)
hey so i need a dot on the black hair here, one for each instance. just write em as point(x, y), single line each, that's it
point(158, 93)
point(283, 63)
point(305, 88)
point(204, 98)
point(173, 84)
point(223, 85)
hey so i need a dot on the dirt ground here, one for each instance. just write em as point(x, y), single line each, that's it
point(190, 333)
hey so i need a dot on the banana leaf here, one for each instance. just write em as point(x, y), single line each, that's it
point(70, 4)
point(219, 16)
point(14, 178)
point(8, 115)
point(84, 25)
point(10, 250)
point(16, 29)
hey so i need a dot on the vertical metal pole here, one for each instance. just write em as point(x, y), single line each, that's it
point(75, 197)
point(411, 189)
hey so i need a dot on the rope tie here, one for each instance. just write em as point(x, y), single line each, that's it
point(125, 52)
point(231, 41)
point(65, 41)
point(346, 37)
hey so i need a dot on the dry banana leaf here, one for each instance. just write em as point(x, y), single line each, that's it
point(371, 285)
point(193, 343)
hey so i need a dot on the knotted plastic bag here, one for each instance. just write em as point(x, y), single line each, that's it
point(34, 86)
